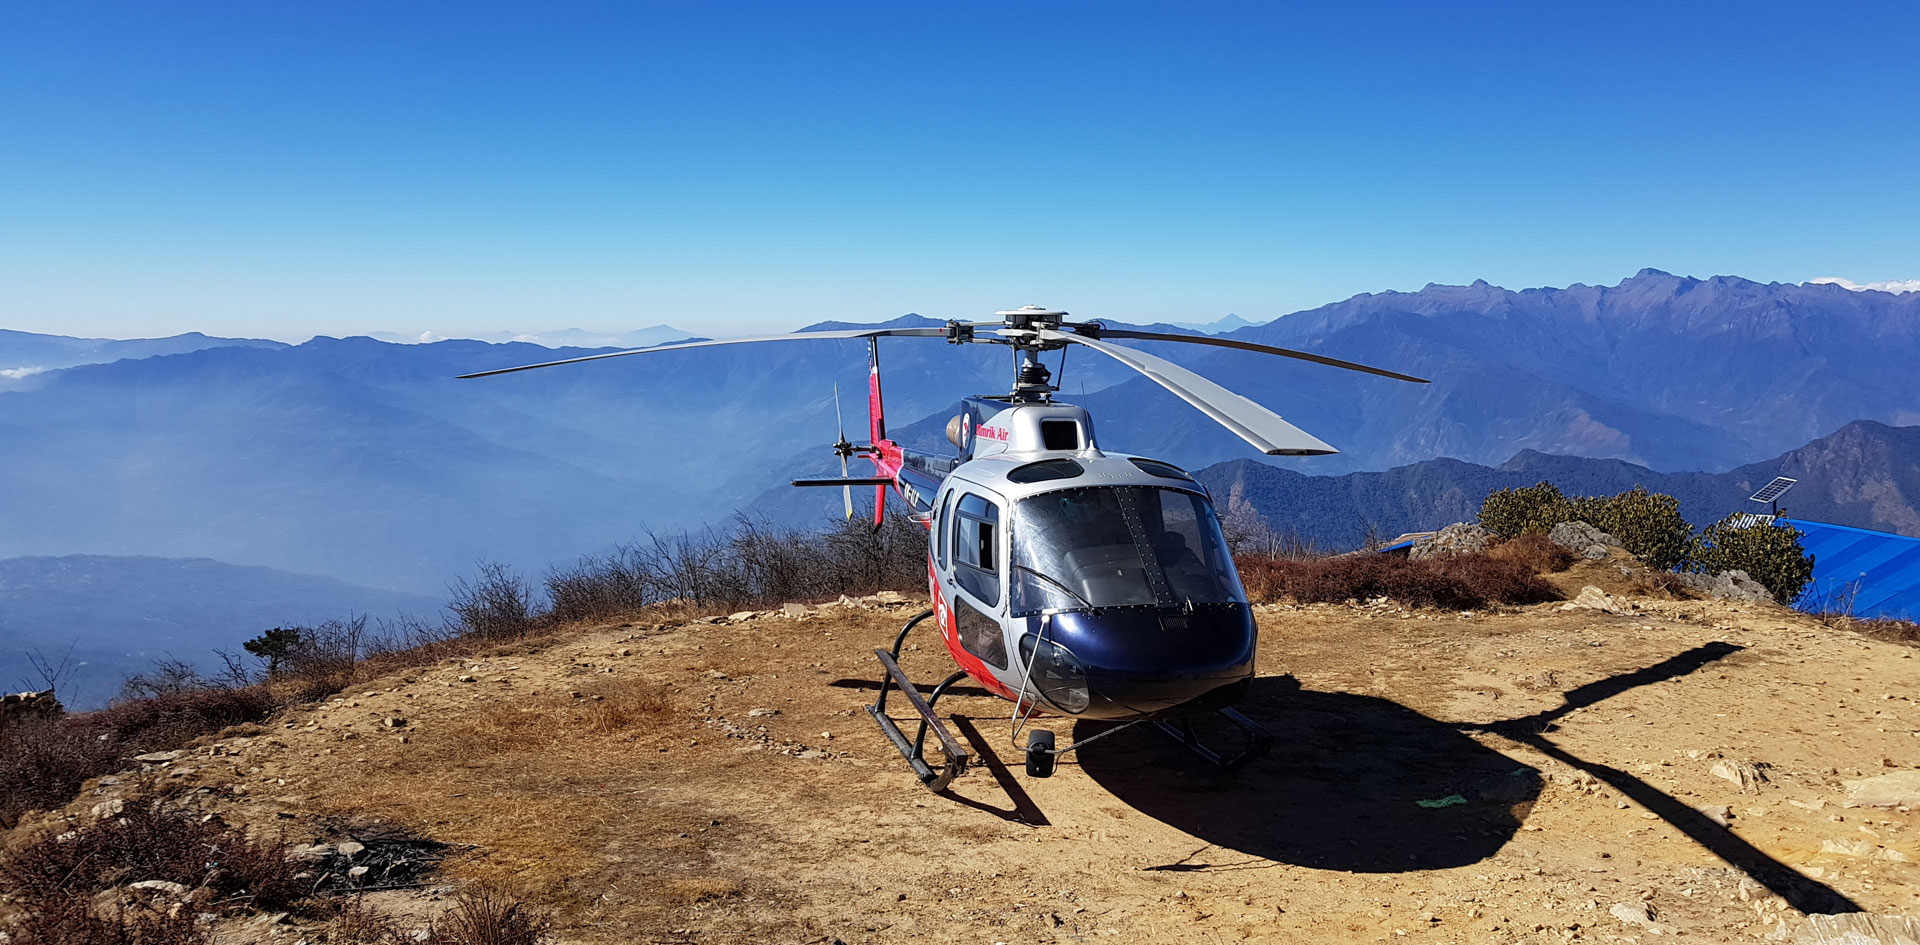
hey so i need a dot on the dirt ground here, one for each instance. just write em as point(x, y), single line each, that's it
point(722, 783)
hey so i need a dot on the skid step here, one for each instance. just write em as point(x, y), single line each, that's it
point(914, 750)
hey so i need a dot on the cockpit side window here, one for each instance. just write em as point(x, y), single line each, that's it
point(976, 547)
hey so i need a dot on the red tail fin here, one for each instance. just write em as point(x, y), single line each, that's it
point(876, 411)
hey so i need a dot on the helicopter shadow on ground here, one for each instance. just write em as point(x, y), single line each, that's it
point(1341, 789)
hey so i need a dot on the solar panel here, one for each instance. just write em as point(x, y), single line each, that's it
point(1773, 490)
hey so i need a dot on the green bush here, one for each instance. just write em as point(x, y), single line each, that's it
point(1510, 513)
point(1769, 553)
point(1648, 524)
point(1645, 523)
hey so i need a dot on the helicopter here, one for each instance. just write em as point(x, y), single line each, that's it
point(1065, 579)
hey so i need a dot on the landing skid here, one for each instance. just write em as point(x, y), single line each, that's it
point(1259, 740)
point(915, 751)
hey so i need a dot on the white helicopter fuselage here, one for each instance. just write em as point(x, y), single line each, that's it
point(1077, 581)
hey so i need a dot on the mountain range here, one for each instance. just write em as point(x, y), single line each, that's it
point(368, 462)
point(1866, 475)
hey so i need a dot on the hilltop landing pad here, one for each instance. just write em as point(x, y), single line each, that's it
point(1538, 774)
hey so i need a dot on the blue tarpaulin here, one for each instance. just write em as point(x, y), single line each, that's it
point(1864, 573)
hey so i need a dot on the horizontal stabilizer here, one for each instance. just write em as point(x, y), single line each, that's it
point(869, 481)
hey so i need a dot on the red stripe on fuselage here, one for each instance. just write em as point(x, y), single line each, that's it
point(972, 665)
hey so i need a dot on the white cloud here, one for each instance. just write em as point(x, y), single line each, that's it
point(428, 337)
point(1896, 286)
point(14, 374)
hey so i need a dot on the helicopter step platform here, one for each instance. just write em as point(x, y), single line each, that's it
point(1259, 740)
point(915, 750)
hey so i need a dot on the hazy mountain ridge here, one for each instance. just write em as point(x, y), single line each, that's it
point(26, 354)
point(1865, 474)
point(123, 612)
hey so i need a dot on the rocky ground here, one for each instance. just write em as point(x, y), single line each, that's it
point(1620, 769)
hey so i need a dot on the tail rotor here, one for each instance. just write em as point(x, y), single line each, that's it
point(844, 450)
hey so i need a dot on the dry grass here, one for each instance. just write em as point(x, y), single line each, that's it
point(1892, 631)
point(695, 890)
point(1533, 551)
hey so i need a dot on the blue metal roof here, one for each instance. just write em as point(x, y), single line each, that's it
point(1865, 573)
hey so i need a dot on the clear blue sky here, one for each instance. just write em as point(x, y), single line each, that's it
point(281, 168)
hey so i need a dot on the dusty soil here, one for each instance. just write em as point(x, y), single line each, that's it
point(1568, 757)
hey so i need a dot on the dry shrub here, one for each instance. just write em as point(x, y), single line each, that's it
point(72, 921)
point(1534, 551)
point(358, 923)
point(488, 916)
point(54, 877)
point(1459, 582)
point(44, 764)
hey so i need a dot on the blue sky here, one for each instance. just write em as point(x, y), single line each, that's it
point(282, 169)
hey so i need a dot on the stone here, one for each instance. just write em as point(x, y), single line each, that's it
point(1718, 813)
point(762, 713)
point(1733, 585)
point(358, 872)
point(812, 753)
point(106, 809)
point(1583, 540)
point(1593, 598)
point(158, 757)
point(1633, 913)
point(1747, 775)
point(890, 597)
point(395, 722)
point(350, 848)
point(162, 887)
point(742, 616)
point(1899, 789)
point(1460, 538)
point(469, 678)
point(1860, 848)
point(793, 610)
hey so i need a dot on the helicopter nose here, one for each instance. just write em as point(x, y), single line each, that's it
point(1139, 662)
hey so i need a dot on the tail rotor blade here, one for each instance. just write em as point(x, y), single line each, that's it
point(846, 492)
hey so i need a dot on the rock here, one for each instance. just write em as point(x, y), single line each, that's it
point(1593, 598)
point(1585, 541)
point(395, 721)
point(1460, 538)
point(1732, 585)
point(309, 853)
point(889, 598)
point(1746, 774)
point(162, 887)
point(1718, 813)
point(793, 610)
point(1633, 913)
point(1852, 928)
point(106, 809)
point(812, 753)
point(742, 616)
point(1860, 848)
point(350, 848)
point(762, 713)
point(158, 757)
point(468, 678)
point(358, 873)
point(1899, 789)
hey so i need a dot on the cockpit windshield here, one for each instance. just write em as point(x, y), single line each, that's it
point(1118, 546)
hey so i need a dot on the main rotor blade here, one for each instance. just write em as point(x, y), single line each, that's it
point(1251, 422)
point(796, 336)
point(1263, 349)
